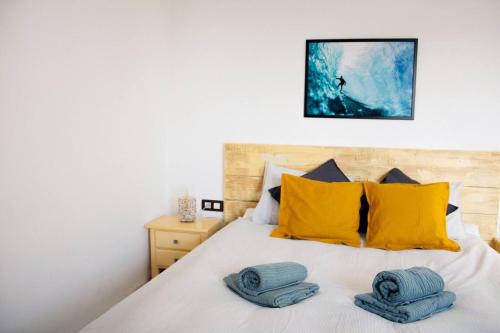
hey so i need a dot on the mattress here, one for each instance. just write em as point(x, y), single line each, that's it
point(191, 296)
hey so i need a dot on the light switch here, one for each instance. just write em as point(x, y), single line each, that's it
point(212, 205)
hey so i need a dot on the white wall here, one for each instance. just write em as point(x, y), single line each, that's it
point(239, 77)
point(97, 136)
point(83, 95)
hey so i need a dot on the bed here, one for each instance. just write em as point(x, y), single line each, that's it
point(191, 296)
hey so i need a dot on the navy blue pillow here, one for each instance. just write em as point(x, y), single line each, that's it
point(327, 172)
point(363, 215)
point(397, 176)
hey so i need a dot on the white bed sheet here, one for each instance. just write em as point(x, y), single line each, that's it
point(191, 296)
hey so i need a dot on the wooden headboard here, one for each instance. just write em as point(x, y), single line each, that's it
point(478, 170)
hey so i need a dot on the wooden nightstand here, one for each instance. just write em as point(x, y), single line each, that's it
point(170, 240)
point(495, 244)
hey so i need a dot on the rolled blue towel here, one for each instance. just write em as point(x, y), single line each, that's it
point(407, 313)
point(258, 279)
point(276, 298)
point(401, 286)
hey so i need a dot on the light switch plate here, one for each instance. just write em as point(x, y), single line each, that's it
point(212, 205)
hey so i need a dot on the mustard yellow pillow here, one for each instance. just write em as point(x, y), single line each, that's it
point(408, 216)
point(313, 210)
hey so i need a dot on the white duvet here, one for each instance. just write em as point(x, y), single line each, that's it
point(191, 296)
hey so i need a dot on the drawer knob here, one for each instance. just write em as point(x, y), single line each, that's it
point(175, 241)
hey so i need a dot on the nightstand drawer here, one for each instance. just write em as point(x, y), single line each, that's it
point(166, 258)
point(177, 240)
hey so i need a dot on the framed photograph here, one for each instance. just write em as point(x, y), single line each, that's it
point(360, 78)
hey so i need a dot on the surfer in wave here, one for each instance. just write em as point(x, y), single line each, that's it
point(342, 82)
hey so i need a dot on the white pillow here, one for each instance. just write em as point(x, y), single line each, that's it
point(472, 230)
point(248, 213)
point(267, 209)
point(454, 224)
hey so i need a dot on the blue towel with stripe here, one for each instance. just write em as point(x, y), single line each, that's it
point(278, 297)
point(408, 312)
point(408, 295)
point(255, 280)
point(402, 286)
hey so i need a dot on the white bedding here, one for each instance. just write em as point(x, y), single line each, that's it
point(191, 296)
